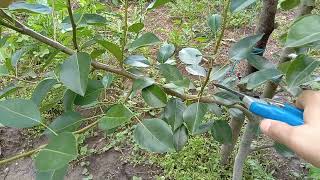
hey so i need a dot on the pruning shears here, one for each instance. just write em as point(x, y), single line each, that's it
point(269, 109)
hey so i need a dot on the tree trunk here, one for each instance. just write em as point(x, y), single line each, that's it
point(266, 25)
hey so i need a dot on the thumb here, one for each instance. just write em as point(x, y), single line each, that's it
point(278, 131)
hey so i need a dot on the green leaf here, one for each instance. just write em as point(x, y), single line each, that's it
point(196, 70)
point(314, 172)
point(28, 7)
point(141, 83)
point(219, 73)
point(68, 100)
point(299, 70)
point(112, 48)
point(157, 3)
point(75, 71)
point(214, 22)
point(67, 122)
point(204, 128)
point(170, 72)
point(93, 92)
point(83, 20)
point(238, 5)
point(283, 150)
point(180, 138)
point(260, 77)
point(154, 96)
point(7, 90)
point(226, 97)
point(173, 113)
point(52, 175)
point(146, 39)
point(299, 35)
point(194, 115)
point(260, 62)
point(215, 109)
point(221, 131)
point(19, 113)
point(237, 114)
point(107, 80)
point(243, 48)
point(165, 52)
point(61, 150)
point(115, 117)
point(3, 70)
point(17, 56)
point(190, 56)
point(137, 61)
point(42, 90)
point(289, 4)
point(154, 135)
point(136, 28)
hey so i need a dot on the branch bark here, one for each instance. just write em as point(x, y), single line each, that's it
point(74, 26)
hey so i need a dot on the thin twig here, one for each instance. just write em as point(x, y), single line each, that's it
point(74, 26)
point(217, 46)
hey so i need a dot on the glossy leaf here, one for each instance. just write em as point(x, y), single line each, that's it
point(243, 48)
point(173, 113)
point(115, 117)
point(214, 22)
point(61, 150)
point(180, 138)
point(221, 131)
point(165, 52)
point(142, 83)
point(219, 73)
point(259, 62)
point(19, 113)
point(299, 70)
point(236, 114)
point(154, 96)
point(68, 100)
point(52, 175)
point(196, 70)
point(170, 72)
point(75, 71)
point(112, 48)
point(146, 39)
point(16, 57)
point(107, 80)
point(215, 109)
point(136, 28)
point(204, 128)
point(299, 35)
point(28, 7)
point(154, 135)
point(194, 115)
point(42, 90)
point(289, 4)
point(137, 61)
point(83, 20)
point(260, 77)
point(67, 122)
point(3, 70)
point(226, 97)
point(157, 3)
point(190, 56)
point(92, 94)
point(7, 90)
point(238, 5)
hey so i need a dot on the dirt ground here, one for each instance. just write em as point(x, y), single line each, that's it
point(113, 164)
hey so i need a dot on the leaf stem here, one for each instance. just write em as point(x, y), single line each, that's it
point(74, 26)
point(125, 31)
point(217, 46)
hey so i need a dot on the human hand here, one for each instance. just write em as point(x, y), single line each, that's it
point(305, 139)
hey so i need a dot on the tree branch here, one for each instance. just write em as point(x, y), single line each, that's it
point(74, 26)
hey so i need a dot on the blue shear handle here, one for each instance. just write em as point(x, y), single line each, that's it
point(288, 114)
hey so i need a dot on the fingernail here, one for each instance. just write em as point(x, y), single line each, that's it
point(265, 126)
